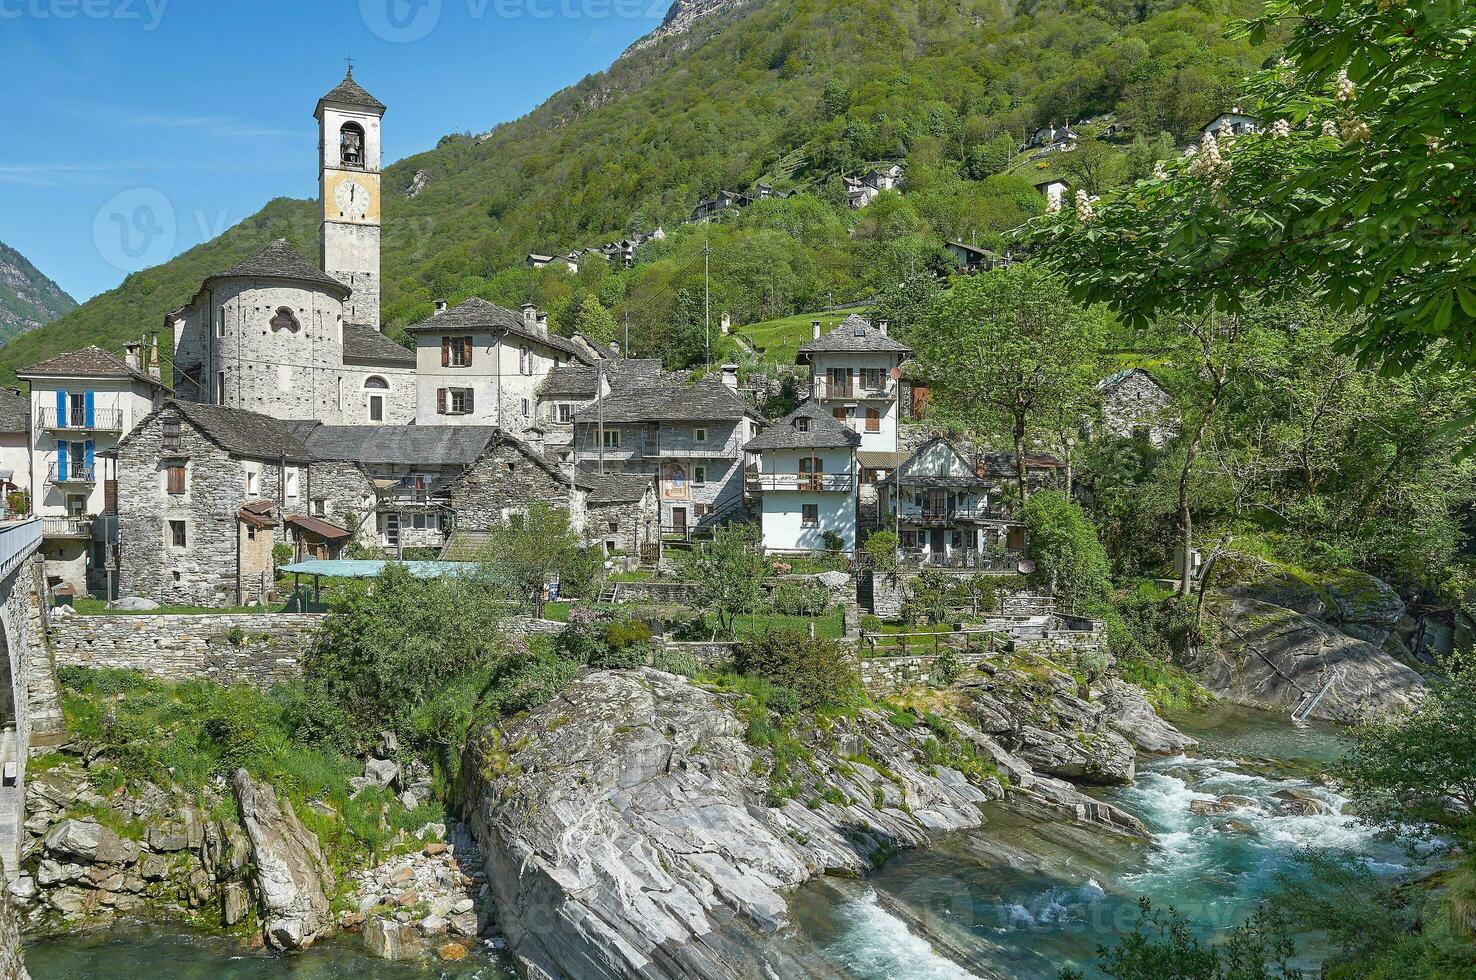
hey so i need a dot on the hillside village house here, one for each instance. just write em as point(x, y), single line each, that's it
point(806, 479)
point(1054, 190)
point(1134, 403)
point(948, 508)
point(854, 376)
point(571, 387)
point(1232, 123)
point(483, 364)
point(15, 444)
point(690, 436)
point(81, 404)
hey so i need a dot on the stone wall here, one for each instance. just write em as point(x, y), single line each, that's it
point(505, 479)
point(203, 572)
point(883, 675)
point(347, 496)
point(12, 963)
point(256, 648)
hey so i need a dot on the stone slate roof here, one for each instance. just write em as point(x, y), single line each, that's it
point(569, 381)
point(622, 374)
point(15, 412)
point(824, 432)
point(478, 314)
point(614, 488)
point(1003, 463)
point(411, 445)
point(89, 362)
point(279, 260)
point(844, 339)
point(361, 343)
point(350, 92)
point(243, 433)
point(708, 400)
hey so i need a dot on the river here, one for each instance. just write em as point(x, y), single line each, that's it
point(1017, 898)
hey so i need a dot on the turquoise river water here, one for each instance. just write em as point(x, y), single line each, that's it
point(1017, 898)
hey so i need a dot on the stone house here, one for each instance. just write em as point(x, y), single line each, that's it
point(806, 481)
point(15, 442)
point(571, 387)
point(1133, 402)
point(1232, 123)
point(201, 490)
point(689, 436)
point(948, 508)
point(483, 364)
point(851, 377)
point(81, 404)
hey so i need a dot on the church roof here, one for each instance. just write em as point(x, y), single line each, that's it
point(279, 260)
point(361, 343)
point(350, 92)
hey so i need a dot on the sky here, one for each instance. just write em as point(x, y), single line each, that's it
point(132, 130)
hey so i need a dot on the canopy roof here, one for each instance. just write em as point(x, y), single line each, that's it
point(373, 568)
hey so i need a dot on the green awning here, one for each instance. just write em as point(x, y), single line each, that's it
point(371, 568)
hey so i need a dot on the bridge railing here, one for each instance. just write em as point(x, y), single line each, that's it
point(18, 538)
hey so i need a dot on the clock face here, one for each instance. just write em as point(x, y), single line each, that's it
point(352, 199)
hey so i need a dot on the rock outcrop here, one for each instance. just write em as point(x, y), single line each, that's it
point(1352, 602)
point(629, 829)
point(1129, 713)
point(1270, 656)
point(292, 878)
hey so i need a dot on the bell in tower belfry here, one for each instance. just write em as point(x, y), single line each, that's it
point(349, 174)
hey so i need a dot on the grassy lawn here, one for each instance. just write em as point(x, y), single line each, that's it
point(780, 340)
point(557, 611)
point(637, 575)
point(830, 626)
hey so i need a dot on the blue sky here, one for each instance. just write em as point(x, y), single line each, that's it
point(202, 109)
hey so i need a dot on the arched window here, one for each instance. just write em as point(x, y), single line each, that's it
point(351, 145)
point(285, 320)
point(374, 388)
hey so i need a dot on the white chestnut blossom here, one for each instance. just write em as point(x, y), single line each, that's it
point(1355, 131)
point(1345, 86)
point(1084, 212)
point(1053, 204)
point(1159, 172)
point(1329, 128)
point(1281, 129)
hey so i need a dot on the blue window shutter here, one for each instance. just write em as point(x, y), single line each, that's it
point(91, 410)
point(87, 453)
point(61, 460)
point(61, 408)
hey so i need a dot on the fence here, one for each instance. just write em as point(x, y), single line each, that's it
point(907, 644)
point(18, 539)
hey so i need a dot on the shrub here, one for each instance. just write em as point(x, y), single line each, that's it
point(833, 541)
point(882, 549)
point(1068, 555)
point(676, 662)
point(818, 671)
point(620, 635)
point(800, 599)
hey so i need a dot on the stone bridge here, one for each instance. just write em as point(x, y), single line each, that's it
point(30, 709)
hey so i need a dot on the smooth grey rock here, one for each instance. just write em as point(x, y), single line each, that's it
point(155, 867)
point(168, 839)
point(1101, 757)
point(133, 603)
point(1129, 712)
point(292, 877)
point(234, 903)
point(390, 940)
point(76, 838)
point(382, 771)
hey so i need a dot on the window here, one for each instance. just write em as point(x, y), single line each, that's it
point(284, 320)
point(290, 480)
point(699, 476)
point(418, 522)
point(525, 360)
point(174, 479)
point(809, 515)
point(177, 537)
point(566, 412)
point(699, 510)
point(802, 425)
point(456, 352)
point(871, 379)
point(220, 322)
point(171, 435)
point(391, 529)
point(250, 532)
point(612, 439)
point(699, 435)
point(320, 506)
point(220, 388)
point(873, 420)
point(375, 387)
point(76, 505)
point(459, 401)
point(526, 408)
point(253, 483)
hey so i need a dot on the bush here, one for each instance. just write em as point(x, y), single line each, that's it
point(1068, 555)
point(817, 671)
point(800, 599)
point(833, 541)
point(620, 635)
point(281, 555)
point(882, 549)
point(676, 662)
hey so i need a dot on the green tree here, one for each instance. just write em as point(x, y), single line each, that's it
point(1009, 351)
point(528, 550)
point(1163, 947)
point(1093, 167)
point(729, 572)
point(817, 670)
point(593, 320)
point(1358, 188)
point(1067, 552)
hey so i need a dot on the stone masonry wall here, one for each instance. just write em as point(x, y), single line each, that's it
point(203, 572)
point(254, 648)
point(504, 478)
point(883, 675)
point(348, 498)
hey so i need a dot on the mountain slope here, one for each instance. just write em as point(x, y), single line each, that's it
point(795, 91)
point(28, 299)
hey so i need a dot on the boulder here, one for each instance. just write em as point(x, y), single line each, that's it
point(76, 838)
point(1270, 657)
point(387, 747)
point(390, 940)
point(1128, 711)
point(1299, 802)
point(234, 903)
point(133, 603)
point(169, 838)
point(1102, 757)
point(1356, 603)
point(291, 875)
point(383, 772)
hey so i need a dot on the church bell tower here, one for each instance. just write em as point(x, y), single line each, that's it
point(349, 161)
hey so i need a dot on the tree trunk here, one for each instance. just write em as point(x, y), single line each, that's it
point(1020, 475)
point(1186, 519)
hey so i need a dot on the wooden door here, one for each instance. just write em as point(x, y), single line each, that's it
point(679, 519)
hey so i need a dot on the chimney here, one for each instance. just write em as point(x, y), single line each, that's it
point(153, 367)
point(814, 329)
point(440, 307)
point(730, 376)
point(130, 353)
point(882, 326)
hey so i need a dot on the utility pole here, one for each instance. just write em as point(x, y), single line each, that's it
point(600, 409)
point(706, 301)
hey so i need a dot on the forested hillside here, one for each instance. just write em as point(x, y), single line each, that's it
point(27, 297)
point(795, 92)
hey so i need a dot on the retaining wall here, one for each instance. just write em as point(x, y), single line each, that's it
point(257, 648)
point(884, 675)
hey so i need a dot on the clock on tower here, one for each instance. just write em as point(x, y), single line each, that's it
point(349, 164)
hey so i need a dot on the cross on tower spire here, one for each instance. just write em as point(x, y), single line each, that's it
point(350, 60)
